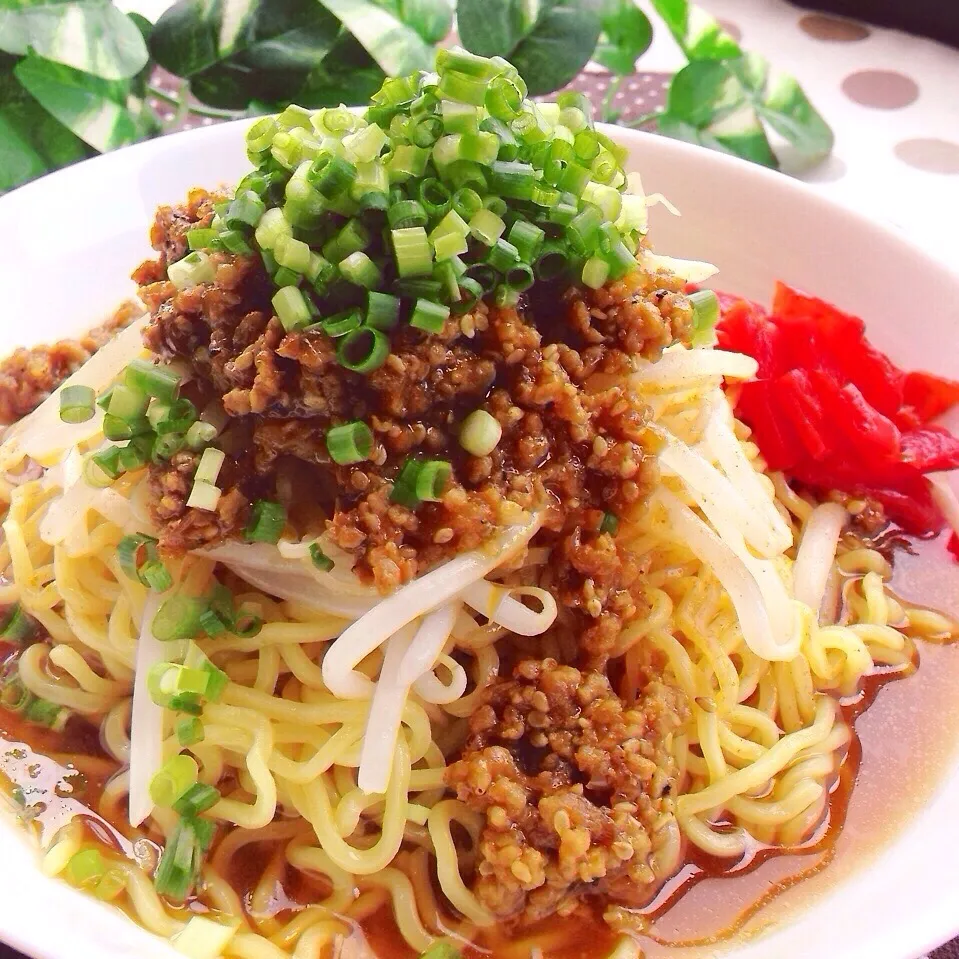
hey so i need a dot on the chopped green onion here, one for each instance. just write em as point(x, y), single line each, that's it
point(470, 294)
point(185, 703)
point(527, 238)
point(351, 239)
point(260, 135)
point(14, 696)
point(404, 486)
point(267, 520)
point(442, 949)
point(349, 442)
point(320, 560)
point(19, 627)
point(610, 523)
point(495, 204)
point(511, 178)
point(77, 404)
point(210, 465)
point(479, 148)
point(365, 144)
point(164, 447)
point(419, 286)
point(429, 316)
point(234, 242)
point(364, 350)
point(293, 254)
point(465, 173)
point(562, 212)
point(396, 91)
point(584, 229)
point(178, 618)
point(374, 200)
point(51, 715)
point(620, 260)
point(505, 296)
point(197, 799)
point(189, 731)
point(134, 552)
point(445, 272)
point(382, 310)
point(173, 779)
point(180, 862)
point(467, 203)
point(156, 575)
point(212, 624)
point(320, 271)
point(195, 268)
point(484, 275)
point(284, 276)
point(291, 308)
point(273, 224)
point(100, 469)
point(435, 197)
point(205, 496)
point(405, 214)
point(245, 211)
point(158, 381)
point(199, 434)
point(178, 417)
point(519, 277)
point(705, 315)
point(431, 480)
point(595, 272)
point(502, 255)
point(451, 222)
point(552, 262)
point(85, 868)
point(340, 323)
point(425, 131)
point(246, 625)
point(103, 400)
point(486, 226)
point(465, 89)
point(504, 98)
point(201, 238)
point(136, 454)
point(116, 429)
point(408, 161)
point(448, 245)
point(331, 175)
point(412, 251)
point(459, 117)
point(458, 60)
point(359, 269)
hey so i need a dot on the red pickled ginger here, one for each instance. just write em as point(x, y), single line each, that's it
point(834, 412)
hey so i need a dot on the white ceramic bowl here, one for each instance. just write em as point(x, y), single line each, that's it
point(757, 226)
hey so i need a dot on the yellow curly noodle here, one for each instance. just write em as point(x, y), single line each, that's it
point(760, 750)
point(764, 740)
point(273, 756)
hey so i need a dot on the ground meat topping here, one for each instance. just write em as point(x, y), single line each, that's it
point(573, 783)
point(29, 376)
point(550, 370)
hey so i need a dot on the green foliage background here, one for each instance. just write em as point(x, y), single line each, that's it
point(75, 74)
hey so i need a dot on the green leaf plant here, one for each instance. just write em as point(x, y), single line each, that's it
point(75, 75)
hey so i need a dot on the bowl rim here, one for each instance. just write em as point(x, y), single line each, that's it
point(938, 921)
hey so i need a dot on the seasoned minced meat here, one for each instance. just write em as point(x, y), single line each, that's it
point(29, 376)
point(574, 440)
point(573, 784)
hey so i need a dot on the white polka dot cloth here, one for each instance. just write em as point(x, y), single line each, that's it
point(892, 100)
